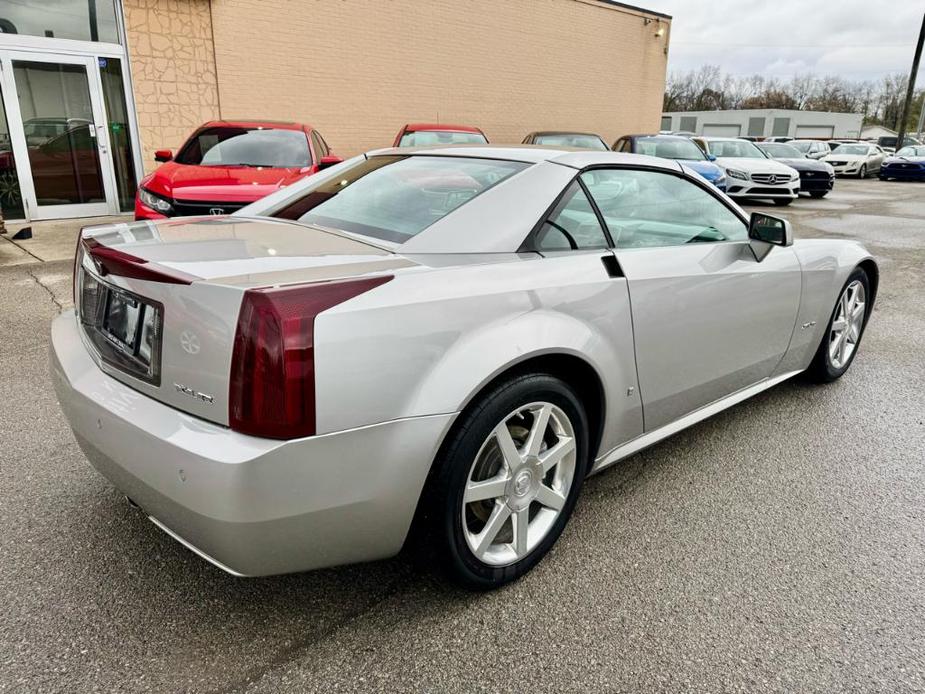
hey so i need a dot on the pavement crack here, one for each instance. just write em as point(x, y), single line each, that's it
point(44, 286)
point(291, 653)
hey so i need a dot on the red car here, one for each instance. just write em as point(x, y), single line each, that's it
point(423, 134)
point(226, 165)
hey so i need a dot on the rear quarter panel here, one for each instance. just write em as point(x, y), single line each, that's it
point(826, 265)
point(429, 340)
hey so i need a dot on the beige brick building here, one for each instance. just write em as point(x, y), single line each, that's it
point(355, 69)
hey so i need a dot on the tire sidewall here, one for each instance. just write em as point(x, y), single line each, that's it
point(458, 559)
point(831, 372)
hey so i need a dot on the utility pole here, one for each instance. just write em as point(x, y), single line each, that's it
point(911, 88)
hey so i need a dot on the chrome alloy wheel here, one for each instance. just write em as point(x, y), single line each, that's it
point(847, 324)
point(518, 483)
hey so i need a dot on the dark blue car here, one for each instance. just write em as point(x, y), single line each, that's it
point(908, 164)
point(675, 147)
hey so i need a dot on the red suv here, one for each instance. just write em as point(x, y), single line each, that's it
point(423, 134)
point(226, 165)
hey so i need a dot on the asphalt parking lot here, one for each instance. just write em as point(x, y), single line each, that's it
point(779, 546)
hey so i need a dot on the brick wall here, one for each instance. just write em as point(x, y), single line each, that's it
point(173, 70)
point(359, 69)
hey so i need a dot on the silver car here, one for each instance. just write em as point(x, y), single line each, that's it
point(445, 339)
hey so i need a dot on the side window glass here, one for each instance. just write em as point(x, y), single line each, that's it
point(572, 225)
point(647, 208)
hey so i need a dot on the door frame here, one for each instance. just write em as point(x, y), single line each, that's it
point(20, 146)
point(66, 49)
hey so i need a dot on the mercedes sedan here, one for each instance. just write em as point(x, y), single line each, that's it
point(449, 340)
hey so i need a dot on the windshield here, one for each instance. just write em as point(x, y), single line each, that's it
point(396, 197)
point(669, 148)
point(735, 149)
point(781, 151)
point(423, 138)
point(802, 146)
point(851, 149)
point(233, 146)
point(571, 140)
point(911, 152)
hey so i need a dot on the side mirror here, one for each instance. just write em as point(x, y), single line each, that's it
point(711, 157)
point(765, 232)
point(163, 155)
point(328, 160)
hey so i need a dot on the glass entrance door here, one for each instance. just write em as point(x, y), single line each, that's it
point(59, 139)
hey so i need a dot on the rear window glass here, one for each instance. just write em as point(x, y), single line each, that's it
point(423, 138)
point(394, 198)
point(576, 140)
point(229, 146)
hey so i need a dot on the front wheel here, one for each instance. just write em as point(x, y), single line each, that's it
point(782, 202)
point(863, 172)
point(509, 478)
point(842, 337)
point(818, 193)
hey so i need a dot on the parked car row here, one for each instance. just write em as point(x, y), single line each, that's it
point(225, 165)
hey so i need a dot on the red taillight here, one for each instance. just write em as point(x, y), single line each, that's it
point(272, 388)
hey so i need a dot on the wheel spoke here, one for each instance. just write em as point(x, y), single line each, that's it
point(521, 521)
point(857, 311)
point(538, 430)
point(839, 324)
point(854, 332)
point(496, 521)
point(507, 446)
point(550, 498)
point(554, 455)
point(485, 489)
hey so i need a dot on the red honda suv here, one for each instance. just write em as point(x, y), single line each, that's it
point(226, 165)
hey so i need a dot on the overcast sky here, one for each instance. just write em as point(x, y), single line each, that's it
point(856, 39)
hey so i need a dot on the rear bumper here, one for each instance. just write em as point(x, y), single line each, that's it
point(251, 506)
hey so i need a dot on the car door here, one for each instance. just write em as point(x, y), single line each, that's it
point(878, 155)
point(708, 318)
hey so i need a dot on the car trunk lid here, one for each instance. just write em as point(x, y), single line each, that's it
point(159, 301)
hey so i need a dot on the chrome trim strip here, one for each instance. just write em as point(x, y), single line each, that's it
point(645, 440)
point(195, 549)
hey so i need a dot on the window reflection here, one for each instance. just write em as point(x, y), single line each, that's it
point(81, 20)
point(120, 143)
point(10, 197)
point(54, 101)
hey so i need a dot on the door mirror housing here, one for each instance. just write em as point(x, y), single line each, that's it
point(711, 157)
point(765, 232)
point(328, 160)
point(163, 155)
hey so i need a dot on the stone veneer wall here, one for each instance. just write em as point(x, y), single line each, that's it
point(173, 69)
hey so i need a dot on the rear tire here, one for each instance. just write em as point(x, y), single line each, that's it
point(842, 337)
point(504, 490)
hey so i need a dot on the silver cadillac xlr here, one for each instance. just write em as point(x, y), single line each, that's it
point(445, 339)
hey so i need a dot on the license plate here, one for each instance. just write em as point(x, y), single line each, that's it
point(124, 328)
point(130, 324)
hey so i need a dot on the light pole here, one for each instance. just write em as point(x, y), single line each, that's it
point(915, 71)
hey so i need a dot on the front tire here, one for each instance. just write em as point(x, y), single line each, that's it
point(782, 202)
point(842, 337)
point(863, 172)
point(508, 480)
point(818, 193)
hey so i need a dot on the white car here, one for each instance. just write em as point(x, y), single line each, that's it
point(750, 173)
point(856, 160)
